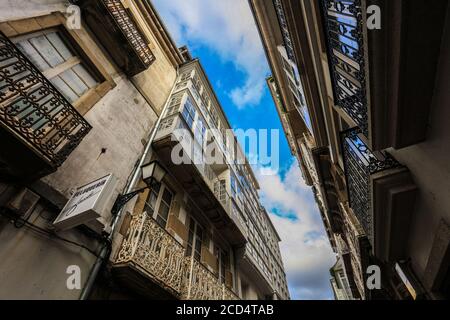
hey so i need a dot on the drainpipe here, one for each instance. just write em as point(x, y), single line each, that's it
point(106, 248)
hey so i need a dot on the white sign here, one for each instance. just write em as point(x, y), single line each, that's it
point(406, 281)
point(86, 204)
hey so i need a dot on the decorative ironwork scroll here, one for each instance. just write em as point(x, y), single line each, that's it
point(32, 108)
point(163, 259)
point(284, 29)
point(155, 251)
point(344, 31)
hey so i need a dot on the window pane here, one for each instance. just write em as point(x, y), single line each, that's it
point(151, 202)
point(167, 196)
point(161, 222)
point(163, 211)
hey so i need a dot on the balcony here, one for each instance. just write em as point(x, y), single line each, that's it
point(116, 29)
point(359, 248)
point(201, 284)
point(376, 79)
point(38, 126)
point(153, 264)
point(197, 177)
point(381, 194)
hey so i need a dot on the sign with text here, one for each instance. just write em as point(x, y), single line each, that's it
point(86, 204)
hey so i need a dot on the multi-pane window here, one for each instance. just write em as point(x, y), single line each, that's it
point(166, 123)
point(53, 55)
point(220, 190)
point(223, 263)
point(197, 83)
point(164, 208)
point(174, 104)
point(189, 112)
point(194, 246)
point(185, 76)
point(158, 203)
point(214, 117)
point(200, 130)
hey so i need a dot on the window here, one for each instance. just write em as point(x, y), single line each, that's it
point(166, 123)
point(233, 185)
point(214, 117)
point(185, 76)
point(200, 130)
point(174, 104)
point(223, 263)
point(158, 203)
point(189, 112)
point(194, 246)
point(220, 191)
point(54, 56)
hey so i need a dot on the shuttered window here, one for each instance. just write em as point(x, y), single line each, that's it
point(53, 55)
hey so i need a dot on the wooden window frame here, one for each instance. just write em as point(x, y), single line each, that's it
point(57, 21)
point(159, 198)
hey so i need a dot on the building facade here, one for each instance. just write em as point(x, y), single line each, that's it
point(365, 121)
point(339, 282)
point(96, 88)
point(218, 241)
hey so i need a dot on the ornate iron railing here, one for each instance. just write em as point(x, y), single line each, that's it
point(345, 34)
point(155, 251)
point(32, 108)
point(202, 284)
point(163, 259)
point(130, 30)
point(360, 164)
point(284, 29)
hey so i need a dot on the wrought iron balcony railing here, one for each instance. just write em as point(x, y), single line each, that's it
point(344, 28)
point(202, 284)
point(360, 164)
point(284, 29)
point(155, 251)
point(163, 259)
point(120, 34)
point(130, 30)
point(34, 110)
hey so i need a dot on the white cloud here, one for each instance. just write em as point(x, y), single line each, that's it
point(228, 28)
point(304, 245)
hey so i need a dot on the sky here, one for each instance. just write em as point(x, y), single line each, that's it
point(223, 35)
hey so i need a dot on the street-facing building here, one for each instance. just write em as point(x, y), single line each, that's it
point(361, 90)
point(94, 98)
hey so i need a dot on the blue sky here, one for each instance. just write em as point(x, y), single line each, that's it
point(224, 36)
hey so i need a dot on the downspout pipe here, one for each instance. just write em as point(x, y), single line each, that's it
point(107, 242)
